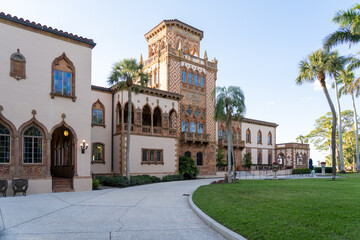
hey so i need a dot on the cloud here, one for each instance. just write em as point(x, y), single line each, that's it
point(271, 102)
point(306, 99)
point(317, 87)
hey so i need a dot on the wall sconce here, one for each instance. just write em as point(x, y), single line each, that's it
point(83, 146)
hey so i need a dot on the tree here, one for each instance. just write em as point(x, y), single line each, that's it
point(126, 74)
point(317, 66)
point(230, 104)
point(302, 139)
point(349, 30)
point(347, 78)
point(321, 135)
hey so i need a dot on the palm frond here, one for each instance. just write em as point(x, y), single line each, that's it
point(341, 36)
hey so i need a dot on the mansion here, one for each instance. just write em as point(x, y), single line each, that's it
point(58, 131)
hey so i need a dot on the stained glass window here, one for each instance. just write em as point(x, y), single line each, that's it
point(201, 81)
point(98, 152)
point(197, 113)
point(196, 81)
point(192, 127)
point(32, 145)
point(183, 76)
point(62, 82)
point(200, 128)
point(4, 144)
point(189, 78)
point(184, 126)
point(97, 116)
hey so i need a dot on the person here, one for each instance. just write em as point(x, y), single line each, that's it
point(311, 164)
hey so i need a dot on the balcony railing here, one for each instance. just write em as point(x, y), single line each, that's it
point(157, 130)
point(172, 132)
point(237, 143)
point(195, 137)
point(146, 129)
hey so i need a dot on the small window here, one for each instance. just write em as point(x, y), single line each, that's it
point(192, 127)
point(152, 156)
point(196, 80)
point(4, 144)
point(190, 78)
point(269, 139)
point(17, 66)
point(200, 128)
point(199, 159)
point(201, 81)
point(188, 154)
point(259, 137)
point(183, 76)
point(98, 153)
point(248, 136)
point(259, 160)
point(62, 82)
point(184, 126)
point(221, 134)
point(32, 145)
point(98, 110)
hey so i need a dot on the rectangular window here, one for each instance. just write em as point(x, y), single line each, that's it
point(221, 134)
point(201, 81)
point(196, 81)
point(184, 126)
point(183, 76)
point(98, 152)
point(192, 127)
point(97, 116)
point(152, 156)
point(200, 128)
point(62, 82)
point(4, 149)
point(189, 78)
point(32, 150)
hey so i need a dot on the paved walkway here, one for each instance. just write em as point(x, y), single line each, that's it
point(154, 211)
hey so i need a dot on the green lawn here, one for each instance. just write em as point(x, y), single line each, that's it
point(286, 209)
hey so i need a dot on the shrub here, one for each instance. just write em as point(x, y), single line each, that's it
point(95, 184)
point(101, 179)
point(327, 169)
point(301, 171)
point(175, 177)
point(143, 179)
point(187, 167)
point(116, 181)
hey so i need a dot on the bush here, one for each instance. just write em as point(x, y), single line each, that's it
point(327, 169)
point(187, 167)
point(95, 184)
point(116, 181)
point(301, 171)
point(143, 179)
point(101, 179)
point(169, 178)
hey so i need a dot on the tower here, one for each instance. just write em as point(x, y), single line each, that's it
point(174, 65)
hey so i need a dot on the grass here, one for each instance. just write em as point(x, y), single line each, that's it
point(286, 209)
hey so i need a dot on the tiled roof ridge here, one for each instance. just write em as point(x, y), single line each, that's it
point(47, 29)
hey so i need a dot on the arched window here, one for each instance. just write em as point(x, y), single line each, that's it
point(98, 114)
point(269, 158)
point(63, 77)
point(248, 136)
point(4, 144)
point(172, 119)
point(146, 116)
point(188, 154)
point(17, 65)
point(126, 111)
point(190, 77)
point(259, 159)
point(199, 159)
point(269, 139)
point(157, 117)
point(32, 145)
point(259, 137)
point(183, 76)
point(119, 113)
point(98, 153)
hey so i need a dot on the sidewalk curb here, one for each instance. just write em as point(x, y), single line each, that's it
point(227, 233)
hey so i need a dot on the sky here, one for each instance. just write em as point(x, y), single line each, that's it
point(258, 45)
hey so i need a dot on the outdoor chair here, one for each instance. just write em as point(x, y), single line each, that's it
point(20, 185)
point(3, 187)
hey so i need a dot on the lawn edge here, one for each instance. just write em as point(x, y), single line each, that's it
point(227, 233)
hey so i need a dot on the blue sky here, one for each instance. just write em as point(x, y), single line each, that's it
point(258, 44)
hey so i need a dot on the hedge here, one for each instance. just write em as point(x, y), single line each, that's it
point(327, 169)
point(169, 178)
point(301, 171)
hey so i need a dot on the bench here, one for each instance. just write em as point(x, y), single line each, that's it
point(3, 187)
point(20, 185)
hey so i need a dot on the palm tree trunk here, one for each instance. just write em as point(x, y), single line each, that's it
point(342, 167)
point(229, 150)
point(128, 135)
point(333, 130)
point(356, 133)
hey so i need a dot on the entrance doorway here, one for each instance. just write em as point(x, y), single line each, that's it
point(62, 157)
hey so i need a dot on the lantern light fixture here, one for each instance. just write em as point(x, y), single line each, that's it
point(83, 146)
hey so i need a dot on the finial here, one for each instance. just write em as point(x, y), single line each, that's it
point(18, 50)
point(63, 116)
point(215, 61)
point(33, 112)
point(205, 56)
point(180, 46)
point(141, 59)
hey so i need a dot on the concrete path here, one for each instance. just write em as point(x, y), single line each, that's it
point(154, 211)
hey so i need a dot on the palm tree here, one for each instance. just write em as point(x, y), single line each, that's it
point(125, 74)
point(317, 66)
point(230, 104)
point(349, 31)
point(347, 78)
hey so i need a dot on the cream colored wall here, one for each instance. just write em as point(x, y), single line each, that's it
point(169, 154)
point(100, 134)
point(163, 75)
point(19, 98)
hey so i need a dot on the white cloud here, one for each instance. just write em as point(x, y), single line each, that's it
point(317, 87)
point(271, 102)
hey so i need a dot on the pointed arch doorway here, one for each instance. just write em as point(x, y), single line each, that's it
point(62, 159)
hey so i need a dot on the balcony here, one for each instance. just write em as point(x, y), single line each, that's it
point(237, 143)
point(195, 137)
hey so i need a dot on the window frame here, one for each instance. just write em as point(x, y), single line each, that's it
point(197, 159)
point(148, 160)
point(259, 140)
point(248, 136)
point(17, 60)
point(92, 153)
point(32, 146)
point(102, 108)
point(7, 135)
point(269, 138)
